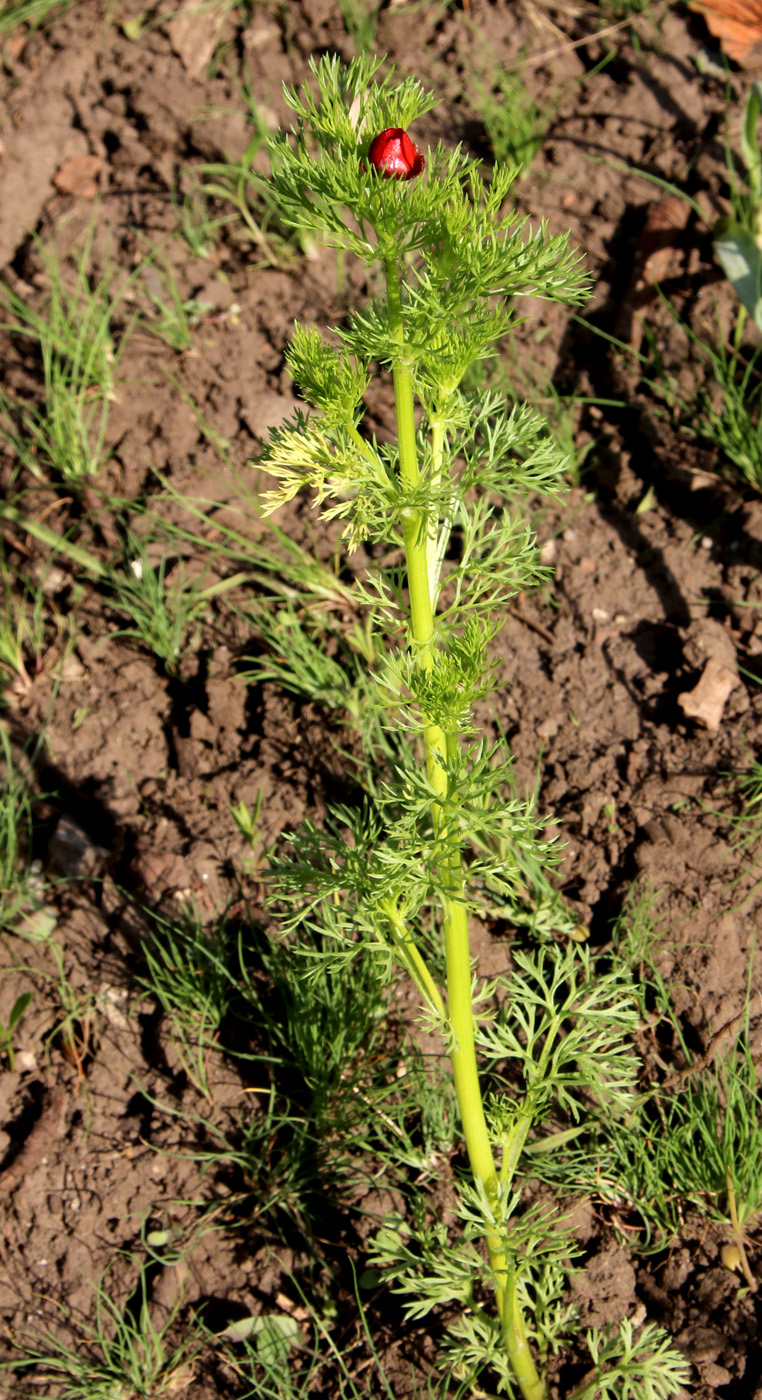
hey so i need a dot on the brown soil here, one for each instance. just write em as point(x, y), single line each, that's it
point(104, 1134)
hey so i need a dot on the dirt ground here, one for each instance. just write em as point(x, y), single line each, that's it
point(656, 556)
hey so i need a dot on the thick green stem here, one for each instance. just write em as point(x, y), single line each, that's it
point(414, 525)
point(439, 747)
point(530, 1383)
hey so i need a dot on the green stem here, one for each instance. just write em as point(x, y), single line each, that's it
point(433, 562)
point(57, 543)
point(513, 1146)
point(439, 748)
point(531, 1385)
point(361, 444)
point(414, 524)
point(413, 962)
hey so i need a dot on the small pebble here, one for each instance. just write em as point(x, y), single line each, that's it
point(548, 553)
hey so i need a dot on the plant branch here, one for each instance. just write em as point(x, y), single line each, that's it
point(439, 748)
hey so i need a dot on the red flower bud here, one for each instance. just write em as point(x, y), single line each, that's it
point(394, 155)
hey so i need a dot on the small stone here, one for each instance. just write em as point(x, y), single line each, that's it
point(112, 1003)
point(549, 728)
point(548, 553)
point(194, 32)
point(53, 579)
point(78, 176)
point(72, 668)
point(706, 702)
point(73, 853)
point(260, 37)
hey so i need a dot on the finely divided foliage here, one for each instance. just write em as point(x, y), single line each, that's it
point(440, 831)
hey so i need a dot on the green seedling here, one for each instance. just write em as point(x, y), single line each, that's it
point(238, 183)
point(124, 1353)
point(274, 1360)
point(297, 658)
point(727, 412)
point(724, 413)
point(35, 13)
point(515, 125)
point(337, 1110)
point(326, 1076)
point(75, 1027)
point(188, 972)
point(361, 22)
point(57, 544)
point(17, 1012)
point(34, 636)
point(696, 1142)
point(693, 1140)
point(712, 1147)
point(16, 831)
point(174, 319)
point(247, 820)
point(15, 680)
point(319, 1104)
point(196, 224)
point(738, 239)
point(746, 787)
point(164, 606)
point(395, 877)
point(64, 437)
